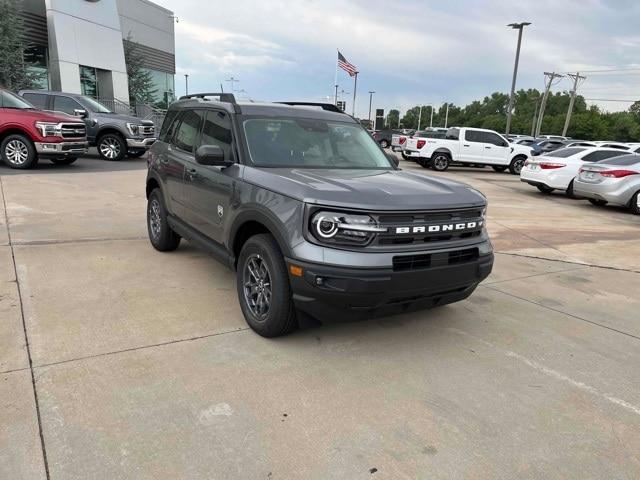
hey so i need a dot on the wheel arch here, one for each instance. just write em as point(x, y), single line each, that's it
point(442, 150)
point(253, 223)
point(14, 130)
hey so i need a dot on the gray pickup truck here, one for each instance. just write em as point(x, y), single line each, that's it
point(316, 220)
point(113, 134)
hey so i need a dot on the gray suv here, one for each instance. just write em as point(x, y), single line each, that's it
point(316, 220)
point(113, 134)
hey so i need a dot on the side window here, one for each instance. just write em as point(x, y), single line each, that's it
point(65, 104)
point(187, 132)
point(217, 131)
point(168, 126)
point(493, 139)
point(38, 100)
point(474, 136)
point(452, 134)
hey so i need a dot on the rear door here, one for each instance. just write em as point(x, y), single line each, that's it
point(209, 189)
point(472, 147)
point(496, 149)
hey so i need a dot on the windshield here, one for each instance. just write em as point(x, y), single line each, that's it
point(11, 100)
point(93, 105)
point(312, 143)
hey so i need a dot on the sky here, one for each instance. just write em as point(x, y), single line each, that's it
point(408, 51)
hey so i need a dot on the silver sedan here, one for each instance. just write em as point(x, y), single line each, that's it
point(615, 181)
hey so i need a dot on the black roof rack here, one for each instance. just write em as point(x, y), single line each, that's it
point(222, 97)
point(329, 107)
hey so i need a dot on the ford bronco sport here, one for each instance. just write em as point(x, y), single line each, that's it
point(313, 216)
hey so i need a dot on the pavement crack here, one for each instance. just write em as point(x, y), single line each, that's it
point(537, 275)
point(26, 336)
point(571, 262)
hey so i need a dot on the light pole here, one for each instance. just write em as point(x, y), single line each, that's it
point(419, 118)
point(186, 84)
point(519, 27)
point(446, 116)
point(431, 121)
point(370, 101)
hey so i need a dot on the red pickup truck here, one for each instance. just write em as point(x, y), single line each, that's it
point(27, 134)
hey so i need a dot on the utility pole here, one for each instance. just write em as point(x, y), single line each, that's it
point(446, 116)
point(355, 87)
point(551, 76)
point(186, 84)
point(431, 121)
point(232, 80)
point(370, 100)
point(534, 122)
point(519, 27)
point(419, 118)
point(576, 78)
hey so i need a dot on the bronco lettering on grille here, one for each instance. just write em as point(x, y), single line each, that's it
point(447, 227)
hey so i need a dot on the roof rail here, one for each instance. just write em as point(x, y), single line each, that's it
point(329, 107)
point(222, 97)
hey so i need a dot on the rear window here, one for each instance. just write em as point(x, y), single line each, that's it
point(601, 155)
point(625, 160)
point(38, 100)
point(565, 152)
point(453, 134)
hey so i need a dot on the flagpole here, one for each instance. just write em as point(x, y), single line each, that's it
point(335, 82)
point(355, 85)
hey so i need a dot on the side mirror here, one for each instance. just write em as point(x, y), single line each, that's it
point(80, 113)
point(393, 159)
point(211, 155)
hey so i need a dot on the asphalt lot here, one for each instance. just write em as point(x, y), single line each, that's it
point(144, 367)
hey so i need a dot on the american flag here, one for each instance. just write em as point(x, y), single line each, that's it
point(346, 66)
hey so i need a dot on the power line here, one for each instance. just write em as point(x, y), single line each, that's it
point(611, 70)
point(610, 100)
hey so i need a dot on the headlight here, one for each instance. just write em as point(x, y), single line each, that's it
point(49, 129)
point(134, 128)
point(338, 228)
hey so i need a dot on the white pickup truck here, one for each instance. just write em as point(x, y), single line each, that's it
point(468, 146)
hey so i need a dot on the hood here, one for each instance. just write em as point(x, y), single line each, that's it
point(522, 148)
point(41, 116)
point(366, 189)
point(119, 117)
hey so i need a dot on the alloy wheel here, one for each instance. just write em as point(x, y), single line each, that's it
point(257, 286)
point(16, 152)
point(110, 147)
point(155, 221)
point(440, 162)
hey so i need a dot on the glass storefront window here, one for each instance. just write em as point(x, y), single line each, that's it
point(89, 81)
point(164, 86)
point(37, 61)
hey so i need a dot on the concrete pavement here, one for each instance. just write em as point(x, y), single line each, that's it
point(144, 367)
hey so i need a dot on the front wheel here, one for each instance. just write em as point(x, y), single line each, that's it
point(263, 288)
point(17, 151)
point(634, 205)
point(112, 146)
point(63, 161)
point(384, 143)
point(161, 235)
point(516, 165)
point(440, 162)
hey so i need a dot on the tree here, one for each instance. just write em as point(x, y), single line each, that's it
point(392, 118)
point(635, 109)
point(141, 86)
point(14, 72)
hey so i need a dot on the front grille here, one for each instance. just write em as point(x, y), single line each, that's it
point(147, 130)
point(426, 219)
point(403, 263)
point(73, 130)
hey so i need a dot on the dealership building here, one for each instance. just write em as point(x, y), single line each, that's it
point(78, 45)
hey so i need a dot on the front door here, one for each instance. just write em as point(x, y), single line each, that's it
point(209, 189)
point(496, 149)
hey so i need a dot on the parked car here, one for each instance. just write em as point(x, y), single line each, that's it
point(472, 147)
point(579, 143)
point(553, 137)
point(115, 135)
point(543, 146)
point(28, 134)
point(383, 137)
point(615, 181)
point(525, 141)
point(312, 215)
point(557, 170)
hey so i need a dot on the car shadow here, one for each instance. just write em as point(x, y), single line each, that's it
point(91, 162)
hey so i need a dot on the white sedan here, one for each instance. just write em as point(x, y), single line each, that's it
point(556, 170)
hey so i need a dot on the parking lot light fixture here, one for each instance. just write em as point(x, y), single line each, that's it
point(519, 27)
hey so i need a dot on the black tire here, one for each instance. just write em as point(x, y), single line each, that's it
point(161, 236)
point(279, 317)
point(569, 191)
point(597, 202)
point(544, 188)
point(384, 143)
point(634, 204)
point(111, 147)
point(405, 157)
point(63, 161)
point(440, 161)
point(136, 153)
point(18, 152)
point(516, 164)
point(499, 168)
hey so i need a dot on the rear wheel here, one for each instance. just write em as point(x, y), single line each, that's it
point(63, 161)
point(544, 188)
point(162, 237)
point(263, 288)
point(17, 151)
point(634, 206)
point(440, 162)
point(597, 202)
point(516, 165)
point(569, 191)
point(112, 146)
point(499, 168)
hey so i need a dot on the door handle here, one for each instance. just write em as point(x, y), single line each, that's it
point(489, 148)
point(465, 145)
point(192, 172)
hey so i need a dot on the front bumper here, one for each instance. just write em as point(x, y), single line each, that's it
point(616, 192)
point(62, 149)
point(355, 293)
point(141, 142)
